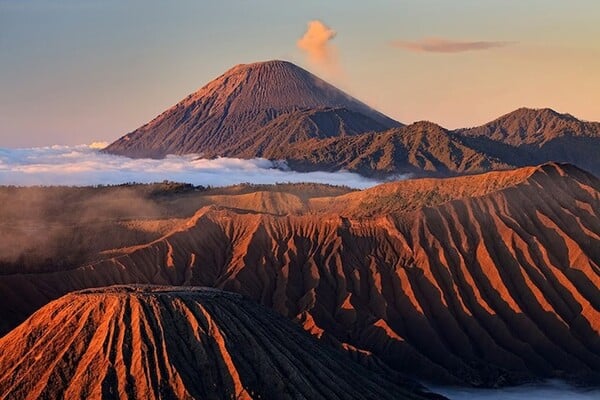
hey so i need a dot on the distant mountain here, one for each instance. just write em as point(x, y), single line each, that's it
point(527, 126)
point(529, 137)
point(149, 342)
point(234, 106)
point(279, 111)
point(522, 138)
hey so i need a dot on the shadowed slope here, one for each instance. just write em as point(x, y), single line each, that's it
point(235, 105)
point(496, 287)
point(528, 137)
point(134, 342)
point(423, 148)
point(273, 140)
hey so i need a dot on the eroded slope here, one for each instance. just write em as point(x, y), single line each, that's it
point(132, 342)
point(497, 287)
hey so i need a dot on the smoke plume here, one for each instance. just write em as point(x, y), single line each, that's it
point(316, 43)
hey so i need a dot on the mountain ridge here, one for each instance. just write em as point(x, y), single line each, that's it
point(484, 280)
point(534, 136)
point(528, 126)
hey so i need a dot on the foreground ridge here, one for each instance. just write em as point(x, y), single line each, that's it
point(486, 280)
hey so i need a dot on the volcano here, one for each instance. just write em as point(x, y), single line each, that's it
point(279, 111)
point(240, 102)
point(147, 342)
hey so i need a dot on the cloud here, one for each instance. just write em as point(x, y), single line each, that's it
point(550, 390)
point(83, 165)
point(316, 44)
point(440, 45)
point(98, 145)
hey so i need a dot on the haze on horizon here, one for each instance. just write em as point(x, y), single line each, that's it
point(80, 71)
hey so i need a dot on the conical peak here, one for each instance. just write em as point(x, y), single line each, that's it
point(262, 65)
point(234, 105)
point(151, 342)
point(273, 85)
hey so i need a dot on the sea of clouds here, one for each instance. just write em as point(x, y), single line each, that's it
point(550, 390)
point(85, 165)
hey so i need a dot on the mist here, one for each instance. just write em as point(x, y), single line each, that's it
point(40, 225)
point(84, 165)
point(60, 227)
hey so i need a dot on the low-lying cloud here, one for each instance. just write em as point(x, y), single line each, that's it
point(441, 45)
point(316, 44)
point(550, 390)
point(84, 165)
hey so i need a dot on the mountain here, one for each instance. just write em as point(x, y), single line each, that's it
point(533, 136)
point(523, 138)
point(237, 104)
point(422, 148)
point(279, 111)
point(485, 280)
point(527, 126)
point(300, 127)
point(148, 342)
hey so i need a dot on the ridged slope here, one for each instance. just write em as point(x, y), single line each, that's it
point(421, 148)
point(495, 288)
point(233, 106)
point(274, 139)
point(140, 342)
point(401, 197)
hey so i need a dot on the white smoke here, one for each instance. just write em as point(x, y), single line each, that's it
point(316, 44)
point(84, 165)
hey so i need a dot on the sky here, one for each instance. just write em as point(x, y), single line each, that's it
point(78, 71)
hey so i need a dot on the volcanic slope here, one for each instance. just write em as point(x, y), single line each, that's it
point(246, 98)
point(486, 279)
point(297, 128)
point(422, 148)
point(148, 342)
